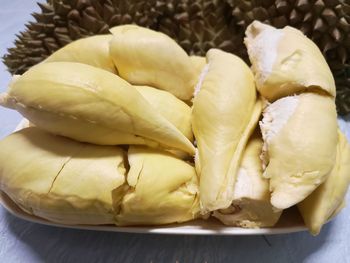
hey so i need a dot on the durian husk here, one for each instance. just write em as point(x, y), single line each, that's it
point(327, 23)
point(63, 21)
point(196, 25)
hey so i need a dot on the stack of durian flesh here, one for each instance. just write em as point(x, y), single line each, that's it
point(128, 129)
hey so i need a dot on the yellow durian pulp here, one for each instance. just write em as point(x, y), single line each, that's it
point(328, 198)
point(59, 179)
point(146, 57)
point(171, 108)
point(285, 62)
point(225, 112)
point(163, 189)
point(300, 140)
point(93, 51)
point(90, 105)
point(251, 206)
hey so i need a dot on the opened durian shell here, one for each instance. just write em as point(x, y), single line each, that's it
point(196, 25)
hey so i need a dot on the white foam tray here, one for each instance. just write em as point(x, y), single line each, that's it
point(290, 222)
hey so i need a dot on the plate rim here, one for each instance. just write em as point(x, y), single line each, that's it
point(173, 229)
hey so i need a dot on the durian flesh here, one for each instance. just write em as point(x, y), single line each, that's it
point(300, 140)
point(285, 62)
point(69, 182)
point(90, 105)
point(198, 63)
point(328, 198)
point(146, 57)
point(224, 113)
point(59, 179)
point(171, 108)
point(251, 206)
point(92, 51)
point(163, 189)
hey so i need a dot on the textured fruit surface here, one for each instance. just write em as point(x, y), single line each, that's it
point(196, 25)
point(60, 179)
point(162, 189)
point(110, 111)
point(327, 23)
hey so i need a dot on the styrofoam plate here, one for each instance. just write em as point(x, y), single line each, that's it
point(290, 222)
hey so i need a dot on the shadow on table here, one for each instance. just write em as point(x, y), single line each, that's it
point(53, 244)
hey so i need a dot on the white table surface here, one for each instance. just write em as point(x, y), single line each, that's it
point(21, 241)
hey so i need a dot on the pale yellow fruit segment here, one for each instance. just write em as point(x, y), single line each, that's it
point(286, 62)
point(328, 198)
point(222, 110)
point(146, 57)
point(59, 179)
point(90, 105)
point(171, 108)
point(251, 207)
point(300, 140)
point(163, 189)
point(92, 51)
point(198, 64)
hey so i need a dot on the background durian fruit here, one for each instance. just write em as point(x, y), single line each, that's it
point(196, 25)
point(326, 22)
point(201, 25)
point(63, 21)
